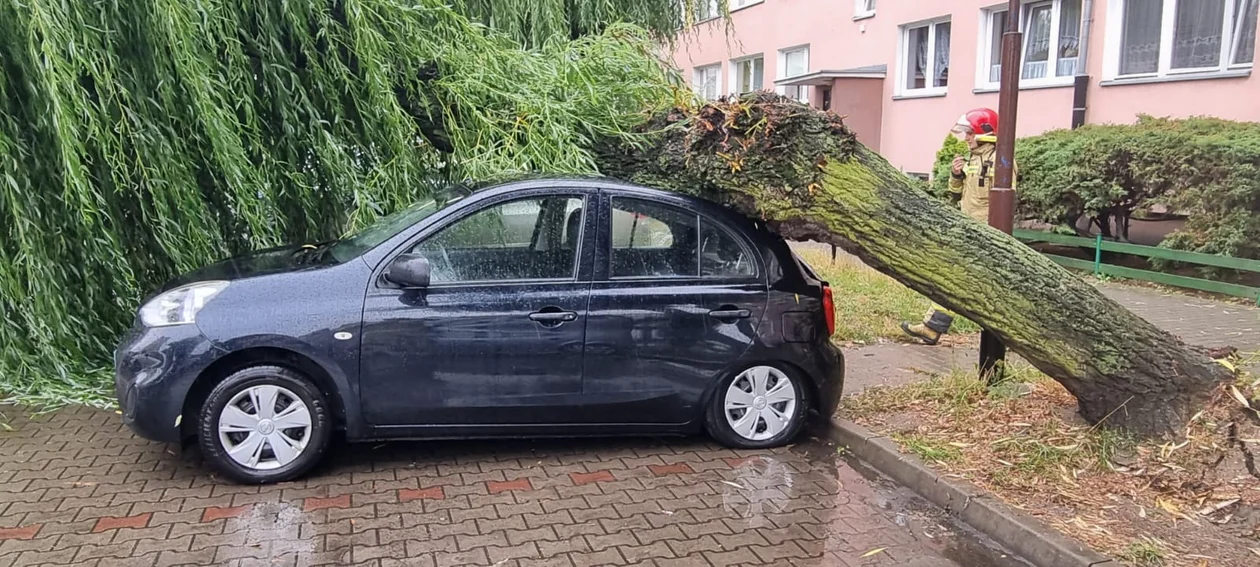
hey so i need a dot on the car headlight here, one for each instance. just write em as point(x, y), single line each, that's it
point(179, 306)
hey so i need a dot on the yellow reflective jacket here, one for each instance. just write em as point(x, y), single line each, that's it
point(976, 180)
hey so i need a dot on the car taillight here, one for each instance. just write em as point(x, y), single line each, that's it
point(829, 310)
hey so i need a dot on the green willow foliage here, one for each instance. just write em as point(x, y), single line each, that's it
point(142, 138)
point(533, 22)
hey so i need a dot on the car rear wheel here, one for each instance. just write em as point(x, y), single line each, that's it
point(264, 424)
point(763, 406)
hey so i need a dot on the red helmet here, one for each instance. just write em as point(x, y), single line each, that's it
point(980, 121)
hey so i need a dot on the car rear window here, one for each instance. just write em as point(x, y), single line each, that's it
point(652, 239)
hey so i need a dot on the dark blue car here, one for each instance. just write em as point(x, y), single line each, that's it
point(544, 307)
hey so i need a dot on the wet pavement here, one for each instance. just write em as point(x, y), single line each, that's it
point(78, 488)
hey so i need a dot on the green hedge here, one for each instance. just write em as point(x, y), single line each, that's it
point(1206, 168)
point(952, 146)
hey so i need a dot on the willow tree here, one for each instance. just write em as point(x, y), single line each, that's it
point(803, 173)
point(143, 138)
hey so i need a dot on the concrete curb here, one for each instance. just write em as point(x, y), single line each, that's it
point(1026, 536)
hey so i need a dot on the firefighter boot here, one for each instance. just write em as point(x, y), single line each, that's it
point(937, 323)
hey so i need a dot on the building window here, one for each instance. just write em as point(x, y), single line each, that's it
point(1052, 42)
point(863, 8)
point(746, 74)
point(924, 65)
point(707, 10)
point(793, 63)
point(1158, 37)
point(737, 4)
point(707, 81)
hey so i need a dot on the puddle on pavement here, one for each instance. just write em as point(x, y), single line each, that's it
point(826, 503)
point(829, 505)
point(928, 523)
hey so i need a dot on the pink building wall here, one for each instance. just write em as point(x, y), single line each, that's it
point(911, 129)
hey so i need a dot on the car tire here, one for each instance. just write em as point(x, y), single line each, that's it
point(725, 421)
point(247, 443)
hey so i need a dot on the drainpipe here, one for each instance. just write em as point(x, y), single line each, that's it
point(1080, 93)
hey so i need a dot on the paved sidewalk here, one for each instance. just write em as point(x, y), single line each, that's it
point(1196, 320)
point(77, 488)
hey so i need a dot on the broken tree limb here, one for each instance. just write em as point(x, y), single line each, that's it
point(804, 173)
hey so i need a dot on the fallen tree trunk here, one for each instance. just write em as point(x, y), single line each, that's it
point(805, 174)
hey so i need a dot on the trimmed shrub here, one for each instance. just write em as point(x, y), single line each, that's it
point(952, 146)
point(1205, 168)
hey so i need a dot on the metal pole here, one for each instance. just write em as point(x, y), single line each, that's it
point(1001, 194)
point(1080, 96)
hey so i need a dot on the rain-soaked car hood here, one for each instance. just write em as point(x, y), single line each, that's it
point(258, 263)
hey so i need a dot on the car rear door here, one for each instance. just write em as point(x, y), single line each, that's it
point(497, 337)
point(676, 300)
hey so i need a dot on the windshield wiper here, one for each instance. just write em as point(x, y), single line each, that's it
point(312, 253)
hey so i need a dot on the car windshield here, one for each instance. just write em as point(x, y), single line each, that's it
point(386, 227)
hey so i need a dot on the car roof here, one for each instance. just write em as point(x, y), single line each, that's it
point(492, 188)
point(524, 182)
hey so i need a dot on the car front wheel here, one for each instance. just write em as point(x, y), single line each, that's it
point(763, 406)
point(264, 424)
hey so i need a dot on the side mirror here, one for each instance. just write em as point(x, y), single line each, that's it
point(409, 271)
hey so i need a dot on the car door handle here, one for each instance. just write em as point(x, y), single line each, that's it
point(730, 314)
point(553, 316)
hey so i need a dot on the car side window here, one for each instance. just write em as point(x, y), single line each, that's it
point(525, 239)
point(721, 254)
point(652, 240)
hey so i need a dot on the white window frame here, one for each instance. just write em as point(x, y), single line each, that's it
point(988, 21)
point(863, 8)
point(1114, 46)
point(903, 58)
point(781, 71)
point(733, 87)
point(697, 82)
point(736, 5)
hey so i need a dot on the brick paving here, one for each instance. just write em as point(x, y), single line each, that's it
point(77, 488)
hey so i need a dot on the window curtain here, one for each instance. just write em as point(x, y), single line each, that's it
point(1037, 43)
point(1069, 37)
point(706, 9)
point(941, 67)
point(1197, 34)
point(708, 82)
point(995, 50)
point(1245, 15)
point(794, 63)
point(916, 72)
point(1140, 40)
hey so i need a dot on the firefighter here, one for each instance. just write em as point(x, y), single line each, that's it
point(969, 180)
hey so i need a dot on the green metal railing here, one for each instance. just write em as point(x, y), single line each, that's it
point(1100, 269)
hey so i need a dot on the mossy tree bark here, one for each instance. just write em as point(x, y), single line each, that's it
point(804, 173)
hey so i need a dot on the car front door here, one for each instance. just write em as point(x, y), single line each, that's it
point(677, 299)
point(497, 336)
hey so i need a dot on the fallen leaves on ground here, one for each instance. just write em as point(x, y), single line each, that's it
point(1188, 501)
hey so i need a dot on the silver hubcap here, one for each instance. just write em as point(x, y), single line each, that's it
point(760, 403)
point(264, 427)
